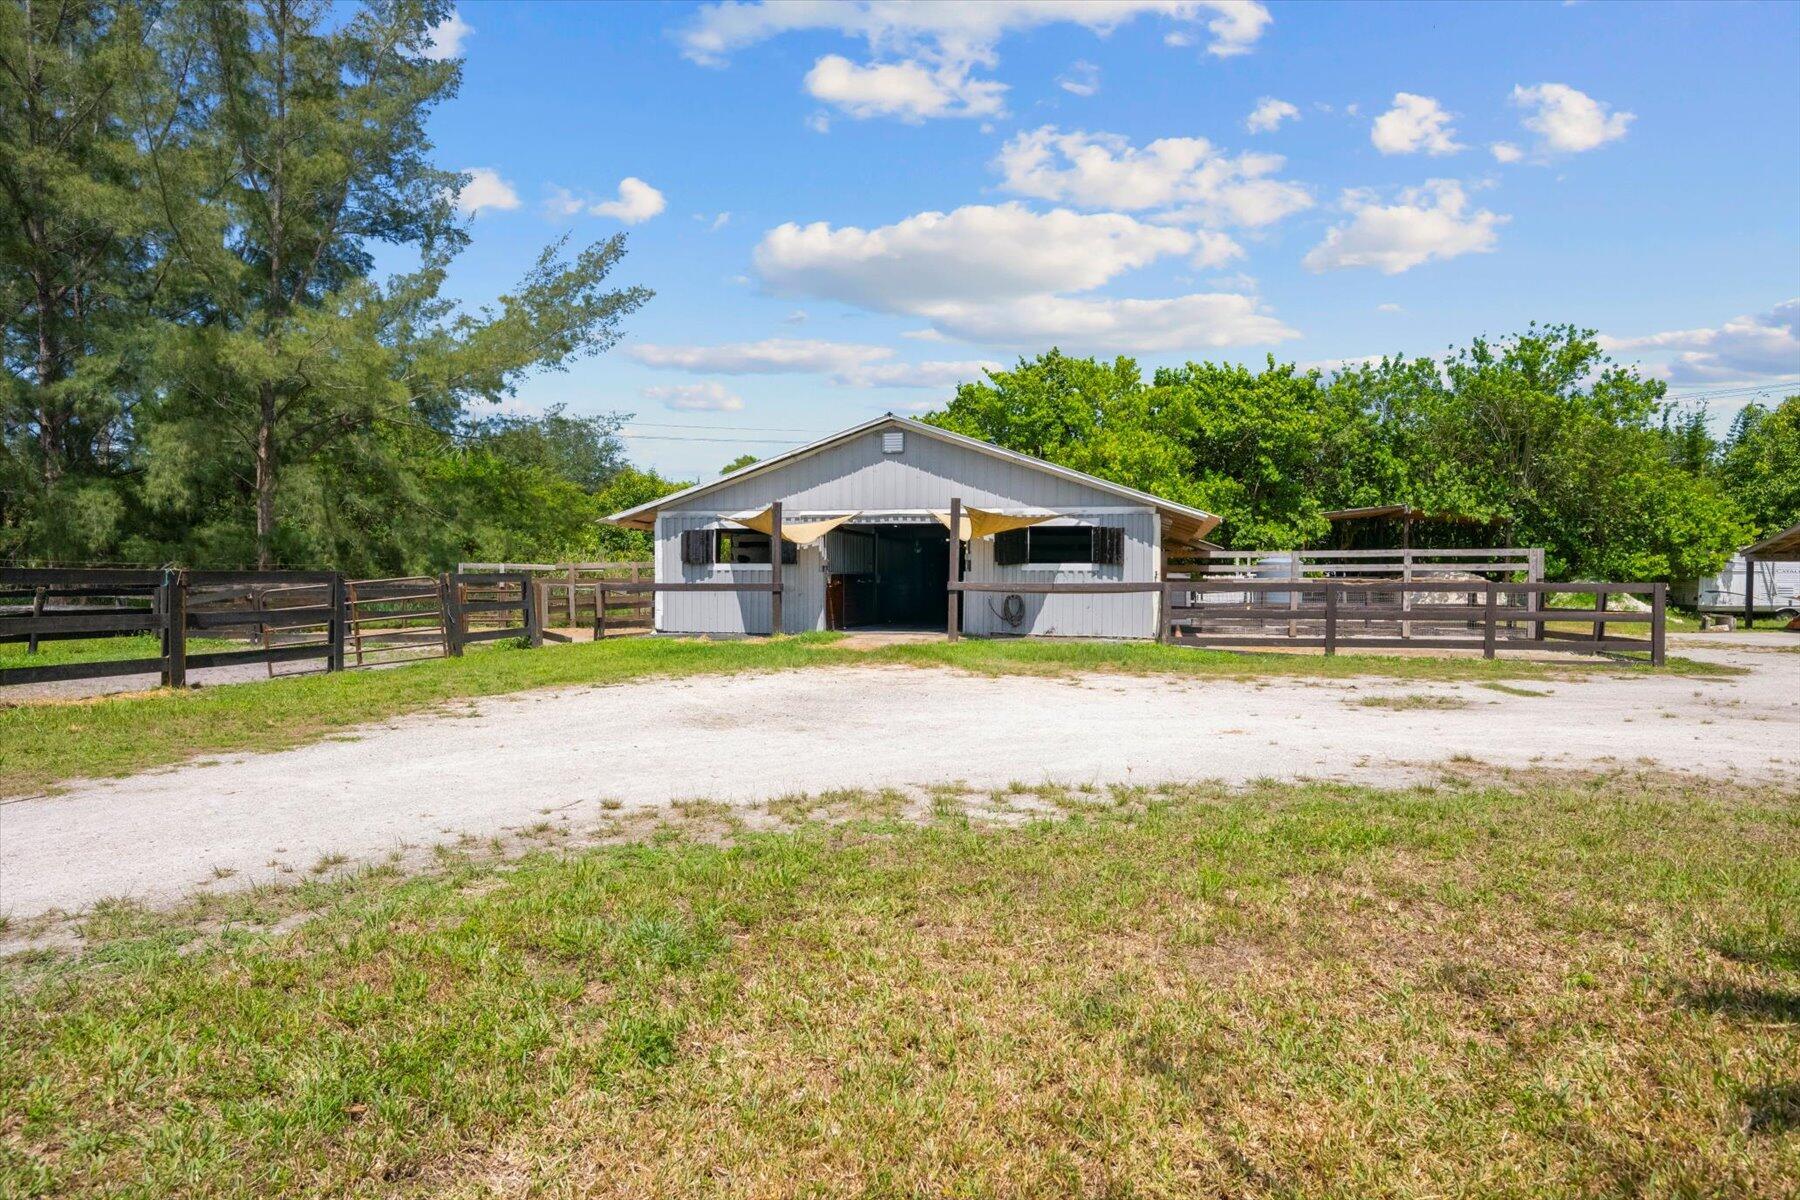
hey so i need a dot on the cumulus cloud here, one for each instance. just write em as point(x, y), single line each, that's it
point(1764, 347)
point(637, 202)
point(1188, 175)
point(850, 363)
point(485, 190)
point(923, 56)
point(1268, 115)
point(694, 397)
point(975, 253)
point(1081, 79)
point(1568, 121)
point(909, 90)
point(1092, 324)
point(1415, 123)
point(1505, 152)
point(447, 37)
point(1429, 222)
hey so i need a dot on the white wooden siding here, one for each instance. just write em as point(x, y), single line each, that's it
point(1130, 615)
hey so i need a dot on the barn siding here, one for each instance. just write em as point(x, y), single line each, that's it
point(926, 475)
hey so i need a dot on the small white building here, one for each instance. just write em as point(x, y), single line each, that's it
point(866, 545)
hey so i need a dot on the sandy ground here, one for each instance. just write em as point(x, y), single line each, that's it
point(507, 762)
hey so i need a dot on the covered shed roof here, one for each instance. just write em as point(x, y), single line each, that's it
point(1181, 522)
point(1780, 547)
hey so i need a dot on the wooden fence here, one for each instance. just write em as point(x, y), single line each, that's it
point(313, 617)
point(569, 594)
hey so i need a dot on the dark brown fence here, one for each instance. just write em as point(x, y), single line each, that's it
point(316, 618)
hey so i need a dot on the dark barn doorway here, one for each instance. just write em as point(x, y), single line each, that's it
point(889, 577)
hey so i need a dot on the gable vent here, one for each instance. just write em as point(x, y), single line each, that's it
point(893, 442)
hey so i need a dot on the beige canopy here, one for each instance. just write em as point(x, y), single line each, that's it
point(980, 523)
point(801, 533)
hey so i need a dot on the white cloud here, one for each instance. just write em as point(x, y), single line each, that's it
point(1415, 123)
point(1081, 79)
point(1761, 348)
point(1388, 308)
point(1268, 115)
point(719, 222)
point(1429, 222)
point(1103, 170)
point(797, 317)
point(1506, 152)
point(637, 202)
point(967, 31)
point(909, 90)
point(819, 122)
point(695, 397)
point(848, 363)
point(978, 253)
point(447, 37)
point(485, 190)
point(1567, 121)
point(1180, 323)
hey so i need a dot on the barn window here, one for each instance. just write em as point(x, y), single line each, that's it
point(1060, 545)
point(748, 547)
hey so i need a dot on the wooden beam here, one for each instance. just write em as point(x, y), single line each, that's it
point(775, 571)
point(175, 630)
point(953, 613)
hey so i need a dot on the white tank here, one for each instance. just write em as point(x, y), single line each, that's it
point(1275, 566)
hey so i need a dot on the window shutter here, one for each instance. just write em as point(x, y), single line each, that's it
point(1109, 546)
point(697, 547)
point(790, 553)
point(1009, 548)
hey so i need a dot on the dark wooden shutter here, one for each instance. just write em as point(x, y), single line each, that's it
point(1109, 546)
point(697, 546)
point(1009, 548)
point(790, 553)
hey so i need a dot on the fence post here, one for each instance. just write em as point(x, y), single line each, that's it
point(334, 660)
point(529, 598)
point(1165, 616)
point(1659, 623)
point(1599, 606)
point(174, 590)
point(454, 627)
point(1534, 573)
point(37, 610)
point(599, 611)
point(1490, 621)
point(775, 571)
point(571, 596)
point(952, 625)
point(1331, 607)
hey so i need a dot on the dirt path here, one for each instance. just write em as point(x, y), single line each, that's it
point(512, 761)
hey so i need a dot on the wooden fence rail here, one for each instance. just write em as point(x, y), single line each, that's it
point(308, 617)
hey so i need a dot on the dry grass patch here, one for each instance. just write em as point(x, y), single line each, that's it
point(1524, 985)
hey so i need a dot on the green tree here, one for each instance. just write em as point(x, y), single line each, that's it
point(1760, 465)
point(298, 146)
point(74, 248)
point(738, 463)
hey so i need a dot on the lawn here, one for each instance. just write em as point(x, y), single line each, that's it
point(1500, 986)
point(44, 743)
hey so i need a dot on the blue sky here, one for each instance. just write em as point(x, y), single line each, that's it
point(844, 209)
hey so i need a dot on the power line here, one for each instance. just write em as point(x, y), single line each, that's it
point(723, 428)
point(671, 437)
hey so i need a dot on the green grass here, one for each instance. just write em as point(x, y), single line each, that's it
point(42, 744)
point(107, 649)
point(1534, 986)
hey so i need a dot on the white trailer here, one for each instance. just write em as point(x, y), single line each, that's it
point(1774, 589)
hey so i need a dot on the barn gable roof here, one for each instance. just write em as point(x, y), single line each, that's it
point(1186, 522)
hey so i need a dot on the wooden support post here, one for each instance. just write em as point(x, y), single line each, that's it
point(1659, 624)
point(1599, 606)
point(775, 571)
point(37, 610)
point(1749, 591)
point(599, 611)
point(953, 609)
point(334, 659)
point(1534, 573)
point(444, 612)
point(1490, 620)
point(532, 598)
point(1165, 616)
point(571, 597)
point(174, 595)
point(1332, 587)
point(1406, 575)
point(456, 625)
point(1297, 574)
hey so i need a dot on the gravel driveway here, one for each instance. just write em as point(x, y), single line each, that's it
point(502, 762)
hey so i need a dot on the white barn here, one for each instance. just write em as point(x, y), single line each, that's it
point(865, 519)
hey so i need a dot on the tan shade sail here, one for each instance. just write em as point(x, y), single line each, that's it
point(980, 523)
point(801, 533)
